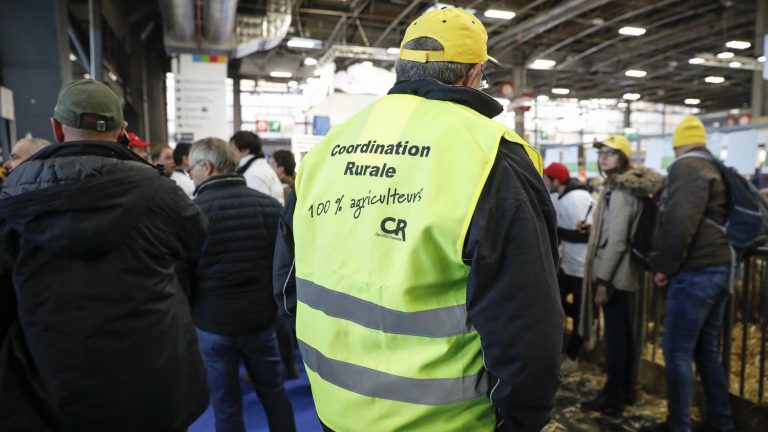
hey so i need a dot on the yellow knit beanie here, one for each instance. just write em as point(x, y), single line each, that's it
point(689, 131)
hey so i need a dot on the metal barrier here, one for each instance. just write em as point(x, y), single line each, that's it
point(746, 314)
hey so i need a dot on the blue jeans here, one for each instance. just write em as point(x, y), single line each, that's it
point(695, 309)
point(222, 355)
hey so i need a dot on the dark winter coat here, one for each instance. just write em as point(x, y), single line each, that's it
point(232, 286)
point(100, 335)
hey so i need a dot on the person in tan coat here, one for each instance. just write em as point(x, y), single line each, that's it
point(612, 279)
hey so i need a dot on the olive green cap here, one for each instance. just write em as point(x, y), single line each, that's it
point(92, 98)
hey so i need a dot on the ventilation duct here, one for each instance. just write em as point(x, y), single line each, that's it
point(263, 32)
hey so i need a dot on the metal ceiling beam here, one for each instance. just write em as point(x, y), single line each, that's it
point(543, 22)
point(396, 22)
point(343, 20)
point(593, 29)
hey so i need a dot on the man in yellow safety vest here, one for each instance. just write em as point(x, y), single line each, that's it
point(425, 251)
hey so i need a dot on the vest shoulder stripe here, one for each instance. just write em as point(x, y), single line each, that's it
point(433, 323)
point(382, 385)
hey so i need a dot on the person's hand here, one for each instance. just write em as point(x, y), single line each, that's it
point(660, 279)
point(601, 295)
point(582, 226)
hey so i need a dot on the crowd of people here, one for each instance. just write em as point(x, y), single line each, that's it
point(136, 279)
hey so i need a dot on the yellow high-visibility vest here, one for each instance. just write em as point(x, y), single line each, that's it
point(384, 204)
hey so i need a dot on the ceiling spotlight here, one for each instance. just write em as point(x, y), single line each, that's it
point(293, 84)
point(692, 101)
point(304, 43)
point(72, 57)
point(112, 76)
point(309, 61)
point(542, 64)
point(622, 105)
point(499, 14)
point(725, 55)
point(318, 72)
point(542, 98)
point(560, 91)
point(631, 96)
point(696, 60)
point(632, 31)
point(280, 74)
point(761, 59)
point(635, 73)
point(735, 64)
point(739, 45)
point(393, 50)
point(87, 76)
point(714, 80)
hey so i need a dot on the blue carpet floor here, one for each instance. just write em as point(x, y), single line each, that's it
point(253, 413)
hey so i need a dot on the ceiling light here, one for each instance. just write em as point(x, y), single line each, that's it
point(87, 76)
point(560, 91)
point(318, 72)
point(499, 14)
point(169, 74)
point(696, 60)
point(293, 84)
point(761, 59)
point(304, 43)
point(725, 55)
point(280, 74)
point(393, 50)
point(635, 73)
point(72, 57)
point(542, 64)
point(542, 98)
point(366, 64)
point(632, 31)
point(622, 105)
point(631, 96)
point(692, 101)
point(739, 45)
point(734, 111)
point(735, 64)
point(714, 79)
point(112, 76)
point(309, 61)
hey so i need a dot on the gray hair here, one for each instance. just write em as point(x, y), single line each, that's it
point(218, 152)
point(444, 72)
point(35, 144)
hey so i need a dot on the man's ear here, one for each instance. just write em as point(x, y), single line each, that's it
point(122, 129)
point(58, 131)
point(473, 77)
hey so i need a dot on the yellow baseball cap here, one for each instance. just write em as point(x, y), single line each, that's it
point(616, 142)
point(690, 131)
point(462, 35)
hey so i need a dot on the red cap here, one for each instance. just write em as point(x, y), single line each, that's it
point(135, 141)
point(557, 171)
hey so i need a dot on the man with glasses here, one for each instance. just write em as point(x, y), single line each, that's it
point(425, 254)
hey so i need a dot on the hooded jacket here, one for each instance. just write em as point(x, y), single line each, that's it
point(684, 240)
point(100, 337)
point(615, 222)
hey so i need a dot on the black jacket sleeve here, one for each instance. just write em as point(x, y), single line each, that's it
point(283, 269)
point(512, 295)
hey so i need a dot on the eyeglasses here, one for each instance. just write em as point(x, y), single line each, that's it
point(191, 167)
point(607, 152)
point(484, 83)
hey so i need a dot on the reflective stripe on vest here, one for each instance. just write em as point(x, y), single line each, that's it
point(433, 323)
point(384, 203)
point(372, 383)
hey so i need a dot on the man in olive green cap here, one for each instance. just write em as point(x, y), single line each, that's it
point(100, 334)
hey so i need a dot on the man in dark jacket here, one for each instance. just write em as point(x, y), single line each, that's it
point(100, 335)
point(691, 256)
point(509, 294)
point(232, 302)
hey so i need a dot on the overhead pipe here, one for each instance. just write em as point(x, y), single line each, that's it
point(219, 20)
point(178, 19)
point(262, 33)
